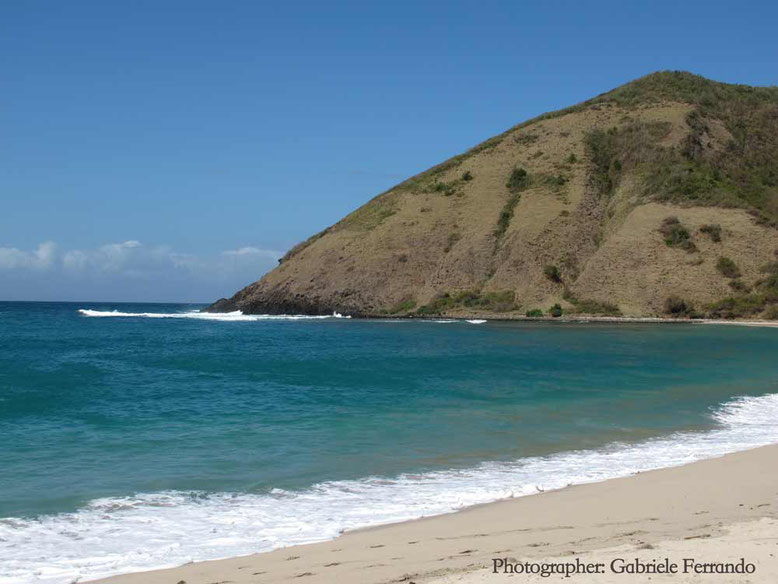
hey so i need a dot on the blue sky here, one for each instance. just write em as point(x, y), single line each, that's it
point(173, 150)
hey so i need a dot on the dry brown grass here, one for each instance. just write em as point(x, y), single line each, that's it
point(435, 233)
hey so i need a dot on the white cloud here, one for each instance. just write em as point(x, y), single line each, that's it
point(45, 254)
point(252, 251)
point(75, 261)
point(41, 258)
point(128, 270)
point(132, 259)
point(10, 257)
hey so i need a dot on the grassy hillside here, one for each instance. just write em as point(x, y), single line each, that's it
point(645, 200)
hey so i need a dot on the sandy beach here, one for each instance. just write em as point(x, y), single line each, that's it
point(717, 511)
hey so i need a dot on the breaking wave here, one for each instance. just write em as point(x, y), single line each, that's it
point(155, 530)
point(194, 314)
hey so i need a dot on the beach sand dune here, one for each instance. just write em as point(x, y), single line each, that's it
point(718, 510)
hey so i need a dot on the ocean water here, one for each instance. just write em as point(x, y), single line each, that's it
point(142, 436)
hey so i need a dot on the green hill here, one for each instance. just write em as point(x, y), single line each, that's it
point(658, 197)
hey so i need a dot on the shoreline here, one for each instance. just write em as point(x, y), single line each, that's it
point(689, 506)
point(589, 319)
point(506, 317)
point(492, 317)
point(583, 319)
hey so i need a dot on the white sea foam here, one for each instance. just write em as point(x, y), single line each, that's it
point(477, 321)
point(145, 531)
point(194, 314)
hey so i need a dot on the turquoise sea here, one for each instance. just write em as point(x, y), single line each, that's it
point(135, 436)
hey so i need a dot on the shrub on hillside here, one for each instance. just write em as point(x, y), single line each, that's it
point(556, 311)
point(503, 301)
point(727, 268)
point(526, 139)
point(552, 273)
point(519, 179)
point(535, 312)
point(737, 306)
point(713, 231)
point(403, 306)
point(447, 189)
point(595, 307)
point(553, 180)
point(676, 235)
point(678, 307)
point(504, 221)
point(739, 286)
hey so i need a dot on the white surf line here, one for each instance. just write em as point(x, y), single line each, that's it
point(236, 316)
